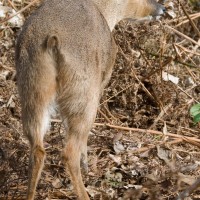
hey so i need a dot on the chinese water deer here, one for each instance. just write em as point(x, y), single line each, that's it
point(64, 58)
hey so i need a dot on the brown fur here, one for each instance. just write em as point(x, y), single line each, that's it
point(64, 57)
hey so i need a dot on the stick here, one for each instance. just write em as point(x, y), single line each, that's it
point(189, 190)
point(183, 35)
point(20, 11)
point(186, 138)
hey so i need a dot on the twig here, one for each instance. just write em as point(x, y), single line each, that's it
point(20, 11)
point(129, 86)
point(186, 138)
point(171, 59)
point(187, 50)
point(106, 118)
point(163, 111)
point(191, 22)
point(184, 18)
point(189, 190)
point(186, 64)
point(162, 66)
point(143, 86)
point(186, 93)
point(193, 17)
point(143, 149)
point(189, 129)
point(183, 35)
point(109, 113)
point(152, 146)
point(192, 142)
point(12, 5)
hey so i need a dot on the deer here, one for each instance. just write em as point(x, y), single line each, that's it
point(64, 57)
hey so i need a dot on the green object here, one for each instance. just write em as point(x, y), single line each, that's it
point(195, 112)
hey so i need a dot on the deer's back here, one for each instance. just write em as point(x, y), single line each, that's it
point(79, 26)
point(81, 65)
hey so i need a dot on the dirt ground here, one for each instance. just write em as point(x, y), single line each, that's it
point(144, 143)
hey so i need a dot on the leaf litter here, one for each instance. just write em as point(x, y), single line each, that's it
point(144, 144)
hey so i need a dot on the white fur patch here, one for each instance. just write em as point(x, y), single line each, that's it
point(45, 123)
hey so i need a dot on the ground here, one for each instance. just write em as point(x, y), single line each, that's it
point(144, 143)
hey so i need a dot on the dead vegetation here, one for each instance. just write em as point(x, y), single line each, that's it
point(144, 144)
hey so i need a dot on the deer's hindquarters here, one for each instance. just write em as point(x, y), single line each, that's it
point(62, 62)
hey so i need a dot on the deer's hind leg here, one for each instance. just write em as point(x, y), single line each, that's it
point(75, 150)
point(37, 92)
point(38, 127)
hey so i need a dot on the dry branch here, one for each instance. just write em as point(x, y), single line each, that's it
point(182, 35)
point(20, 11)
point(191, 140)
point(189, 190)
